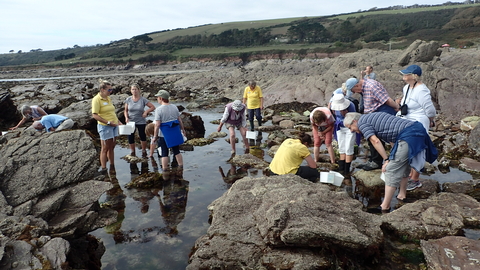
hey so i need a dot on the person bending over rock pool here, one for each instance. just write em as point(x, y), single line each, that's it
point(290, 155)
point(107, 124)
point(253, 97)
point(53, 122)
point(135, 112)
point(33, 112)
point(375, 99)
point(234, 117)
point(412, 147)
point(322, 122)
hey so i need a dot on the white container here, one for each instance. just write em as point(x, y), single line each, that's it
point(125, 130)
point(132, 126)
point(331, 177)
point(251, 135)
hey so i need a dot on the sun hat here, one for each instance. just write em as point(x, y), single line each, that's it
point(412, 69)
point(237, 105)
point(350, 83)
point(339, 102)
point(163, 94)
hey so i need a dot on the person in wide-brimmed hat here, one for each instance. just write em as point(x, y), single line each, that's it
point(345, 138)
point(234, 117)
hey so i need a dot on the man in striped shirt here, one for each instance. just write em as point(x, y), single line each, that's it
point(412, 147)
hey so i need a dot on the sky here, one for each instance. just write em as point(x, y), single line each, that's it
point(56, 24)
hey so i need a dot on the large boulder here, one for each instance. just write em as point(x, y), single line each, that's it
point(49, 191)
point(259, 221)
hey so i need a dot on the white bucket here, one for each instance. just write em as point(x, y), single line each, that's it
point(331, 177)
point(251, 135)
point(125, 130)
point(4, 132)
point(131, 125)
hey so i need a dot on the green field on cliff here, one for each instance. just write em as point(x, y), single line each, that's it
point(390, 28)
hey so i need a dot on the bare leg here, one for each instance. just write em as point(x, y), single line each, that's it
point(152, 149)
point(165, 163)
point(389, 191)
point(110, 145)
point(243, 132)
point(316, 153)
point(232, 137)
point(132, 149)
point(144, 146)
point(103, 155)
point(331, 153)
point(402, 193)
point(179, 158)
point(414, 175)
point(348, 158)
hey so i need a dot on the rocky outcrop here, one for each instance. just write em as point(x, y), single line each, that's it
point(49, 194)
point(452, 252)
point(286, 222)
point(260, 221)
point(419, 51)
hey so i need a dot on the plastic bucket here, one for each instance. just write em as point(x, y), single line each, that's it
point(125, 130)
point(331, 177)
point(251, 135)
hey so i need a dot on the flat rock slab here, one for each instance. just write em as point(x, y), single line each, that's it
point(452, 252)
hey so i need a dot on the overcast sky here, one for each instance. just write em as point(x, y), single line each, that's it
point(57, 24)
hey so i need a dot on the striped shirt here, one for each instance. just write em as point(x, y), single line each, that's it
point(374, 95)
point(385, 126)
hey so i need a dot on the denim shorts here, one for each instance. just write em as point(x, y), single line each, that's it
point(107, 132)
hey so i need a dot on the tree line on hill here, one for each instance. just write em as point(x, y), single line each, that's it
point(444, 25)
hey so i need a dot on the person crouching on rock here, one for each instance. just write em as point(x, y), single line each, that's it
point(53, 122)
point(412, 148)
point(290, 155)
point(234, 117)
point(33, 112)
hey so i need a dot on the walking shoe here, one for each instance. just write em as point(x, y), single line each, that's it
point(412, 184)
point(371, 166)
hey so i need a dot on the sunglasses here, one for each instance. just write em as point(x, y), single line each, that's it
point(110, 90)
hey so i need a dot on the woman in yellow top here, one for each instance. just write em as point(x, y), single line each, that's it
point(290, 155)
point(253, 97)
point(104, 112)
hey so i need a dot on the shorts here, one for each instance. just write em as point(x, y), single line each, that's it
point(346, 141)
point(107, 132)
point(317, 142)
point(399, 167)
point(227, 125)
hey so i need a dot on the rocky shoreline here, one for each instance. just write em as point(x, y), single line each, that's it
point(266, 225)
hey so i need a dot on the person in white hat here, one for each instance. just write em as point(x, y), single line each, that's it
point(345, 138)
point(234, 117)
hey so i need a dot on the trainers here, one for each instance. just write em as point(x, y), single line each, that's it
point(371, 166)
point(412, 184)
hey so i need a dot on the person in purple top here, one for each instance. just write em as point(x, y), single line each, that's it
point(234, 117)
point(412, 147)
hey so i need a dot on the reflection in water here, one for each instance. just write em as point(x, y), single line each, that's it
point(233, 174)
point(171, 193)
point(173, 204)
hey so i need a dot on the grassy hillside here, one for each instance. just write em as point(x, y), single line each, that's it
point(458, 25)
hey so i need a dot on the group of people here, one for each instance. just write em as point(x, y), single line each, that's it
point(167, 132)
point(403, 123)
point(43, 120)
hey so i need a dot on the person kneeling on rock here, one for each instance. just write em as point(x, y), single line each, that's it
point(290, 155)
point(234, 117)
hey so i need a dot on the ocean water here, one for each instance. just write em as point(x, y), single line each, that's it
point(157, 228)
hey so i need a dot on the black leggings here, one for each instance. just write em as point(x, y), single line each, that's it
point(308, 173)
point(141, 134)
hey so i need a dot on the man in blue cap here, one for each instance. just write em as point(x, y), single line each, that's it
point(375, 99)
